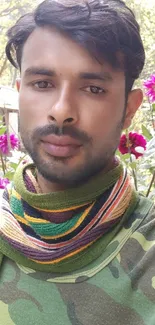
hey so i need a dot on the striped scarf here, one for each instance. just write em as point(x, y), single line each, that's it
point(58, 232)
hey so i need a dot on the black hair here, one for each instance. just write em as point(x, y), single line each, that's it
point(106, 28)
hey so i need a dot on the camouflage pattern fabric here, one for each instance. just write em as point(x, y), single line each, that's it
point(117, 289)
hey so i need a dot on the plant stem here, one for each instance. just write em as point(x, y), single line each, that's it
point(134, 175)
point(3, 164)
point(135, 179)
point(151, 183)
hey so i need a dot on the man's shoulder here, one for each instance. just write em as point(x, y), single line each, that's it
point(146, 211)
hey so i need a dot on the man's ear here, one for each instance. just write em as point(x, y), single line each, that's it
point(134, 101)
point(18, 82)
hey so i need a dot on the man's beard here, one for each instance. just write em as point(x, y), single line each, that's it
point(55, 169)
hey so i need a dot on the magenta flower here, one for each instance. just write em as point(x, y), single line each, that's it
point(4, 147)
point(4, 182)
point(130, 143)
point(150, 88)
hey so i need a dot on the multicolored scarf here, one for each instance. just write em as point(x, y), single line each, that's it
point(66, 230)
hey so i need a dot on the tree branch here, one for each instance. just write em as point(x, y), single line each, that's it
point(8, 11)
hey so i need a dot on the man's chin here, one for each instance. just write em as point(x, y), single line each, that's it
point(66, 171)
point(66, 179)
point(66, 176)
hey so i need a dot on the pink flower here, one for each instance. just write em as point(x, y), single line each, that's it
point(130, 143)
point(14, 143)
point(4, 182)
point(150, 88)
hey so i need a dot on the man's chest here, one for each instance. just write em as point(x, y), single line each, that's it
point(29, 297)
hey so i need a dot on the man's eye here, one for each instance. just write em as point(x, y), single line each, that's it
point(43, 84)
point(95, 90)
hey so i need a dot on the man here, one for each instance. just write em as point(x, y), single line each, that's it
point(76, 240)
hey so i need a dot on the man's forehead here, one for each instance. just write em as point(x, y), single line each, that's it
point(47, 41)
point(49, 49)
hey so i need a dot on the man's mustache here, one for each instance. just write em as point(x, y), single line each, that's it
point(60, 131)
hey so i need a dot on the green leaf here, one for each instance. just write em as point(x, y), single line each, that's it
point(133, 164)
point(14, 165)
point(146, 133)
point(152, 169)
point(9, 175)
point(118, 153)
point(153, 107)
point(2, 130)
point(125, 157)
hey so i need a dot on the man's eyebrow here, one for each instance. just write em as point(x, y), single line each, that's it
point(39, 71)
point(104, 76)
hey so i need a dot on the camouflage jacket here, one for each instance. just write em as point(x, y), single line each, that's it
point(117, 289)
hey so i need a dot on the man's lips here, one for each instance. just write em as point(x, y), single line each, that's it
point(60, 140)
point(60, 146)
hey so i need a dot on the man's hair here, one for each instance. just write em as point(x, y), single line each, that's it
point(106, 28)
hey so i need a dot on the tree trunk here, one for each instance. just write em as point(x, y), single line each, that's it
point(3, 67)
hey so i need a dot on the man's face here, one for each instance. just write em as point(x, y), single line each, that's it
point(71, 108)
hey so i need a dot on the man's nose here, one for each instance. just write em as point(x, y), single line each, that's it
point(64, 110)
